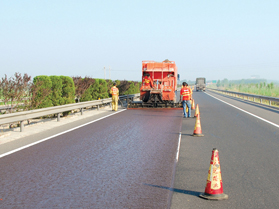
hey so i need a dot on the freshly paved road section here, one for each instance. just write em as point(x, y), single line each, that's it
point(118, 162)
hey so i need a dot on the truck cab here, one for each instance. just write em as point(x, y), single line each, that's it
point(200, 84)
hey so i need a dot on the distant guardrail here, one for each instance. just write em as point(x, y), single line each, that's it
point(26, 115)
point(248, 96)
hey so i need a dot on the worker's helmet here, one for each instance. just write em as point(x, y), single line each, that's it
point(114, 84)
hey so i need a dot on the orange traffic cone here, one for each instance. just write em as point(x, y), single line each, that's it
point(198, 130)
point(214, 184)
point(197, 112)
point(193, 105)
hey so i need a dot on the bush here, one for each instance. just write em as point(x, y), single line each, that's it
point(81, 85)
point(87, 95)
point(103, 89)
point(56, 90)
point(128, 87)
point(68, 90)
point(123, 87)
point(15, 90)
point(41, 92)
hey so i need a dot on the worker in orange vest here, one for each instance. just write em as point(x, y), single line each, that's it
point(115, 95)
point(186, 95)
point(148, 81)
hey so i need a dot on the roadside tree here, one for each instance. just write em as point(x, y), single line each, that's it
point(16, 90)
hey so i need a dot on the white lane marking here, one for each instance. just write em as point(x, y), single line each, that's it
point(267, 121)
point(178, 147)
point(42, 140)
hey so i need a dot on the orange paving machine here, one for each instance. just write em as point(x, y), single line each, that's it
point(159, 85)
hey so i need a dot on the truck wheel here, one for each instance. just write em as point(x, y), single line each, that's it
point(146, 97)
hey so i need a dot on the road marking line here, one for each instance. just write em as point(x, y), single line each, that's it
point(267, 121)
point(178, 147)
point(42, 140)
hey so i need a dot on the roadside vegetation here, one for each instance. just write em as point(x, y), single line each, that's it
point(250, 86)
point(23, 93)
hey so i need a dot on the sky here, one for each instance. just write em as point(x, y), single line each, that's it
point(216, 39)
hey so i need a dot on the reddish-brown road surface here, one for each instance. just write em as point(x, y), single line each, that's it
point(117, 162)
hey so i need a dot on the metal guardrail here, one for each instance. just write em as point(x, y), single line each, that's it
point(5, 108)
point(26, 115)
point(233, 93)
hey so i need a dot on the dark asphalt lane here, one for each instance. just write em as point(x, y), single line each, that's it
point(248, 150)
point(25, 141)
point(118, 162)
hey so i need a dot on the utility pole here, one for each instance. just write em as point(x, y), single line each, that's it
point(105, 72)
point(109, 72)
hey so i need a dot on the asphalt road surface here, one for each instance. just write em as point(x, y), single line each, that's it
point(248, 150)
point(117, 162)
point(129, 160)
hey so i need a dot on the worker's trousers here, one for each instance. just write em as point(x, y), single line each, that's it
point(186, 105)
point(114, 103)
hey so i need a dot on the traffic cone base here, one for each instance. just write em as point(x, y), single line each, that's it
point(214, 197)
point(214, 183)
point(197, 134)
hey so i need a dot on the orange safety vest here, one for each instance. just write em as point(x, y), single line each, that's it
point(186, 92)
point(114, 91)
point(148, 81)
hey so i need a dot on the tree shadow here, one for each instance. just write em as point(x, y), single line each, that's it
point(188, 192)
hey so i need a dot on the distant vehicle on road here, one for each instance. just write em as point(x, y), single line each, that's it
point(200, 84)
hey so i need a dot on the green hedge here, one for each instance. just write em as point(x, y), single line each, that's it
point(87, 95)
point(60, 90)
point(68, 90)
point(103, 89)
point(56, 90)
point(41, 92)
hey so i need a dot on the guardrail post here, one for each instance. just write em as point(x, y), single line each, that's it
point(269, 102)
point(98, 108)
point(254, 99)
point(127, 100)
point(21, 126)
point(58, 117)
point(81, 111)
point(261, 101)
point(110, 104)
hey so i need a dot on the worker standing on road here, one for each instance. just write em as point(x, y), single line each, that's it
point(186, 95)
point(115, 95)
point(148, 81)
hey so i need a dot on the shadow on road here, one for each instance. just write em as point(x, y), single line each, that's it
point(189, 192)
